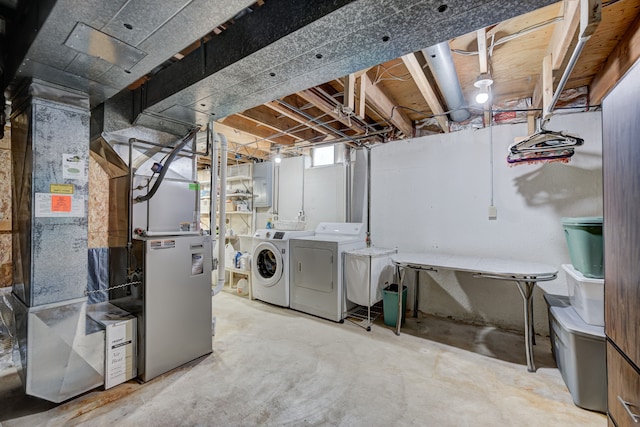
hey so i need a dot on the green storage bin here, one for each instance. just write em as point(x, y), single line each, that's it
point(584, 239)
point(390, 304)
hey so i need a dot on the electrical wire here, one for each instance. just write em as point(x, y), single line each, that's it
point(430, 114)
point(510, 37)
point(491, 155)
point(378, 77)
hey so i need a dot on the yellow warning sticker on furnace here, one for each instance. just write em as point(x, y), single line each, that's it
point(61, 188)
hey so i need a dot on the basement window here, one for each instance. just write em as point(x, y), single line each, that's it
point(323, 156)
point(327, 155)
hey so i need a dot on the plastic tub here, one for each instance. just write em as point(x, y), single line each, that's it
point(586, 296)
point(584, 239)
point(390, 304)
point(579, 350)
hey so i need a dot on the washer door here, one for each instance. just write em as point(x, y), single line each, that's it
point(267, 264)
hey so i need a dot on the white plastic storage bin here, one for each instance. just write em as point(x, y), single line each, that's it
point(586, 295)
point(579, 350)
point(367, 272)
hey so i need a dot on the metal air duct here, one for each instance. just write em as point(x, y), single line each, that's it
point(441, 65)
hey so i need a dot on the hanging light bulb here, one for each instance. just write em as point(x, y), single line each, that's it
point(482, 83)
point(278, 158)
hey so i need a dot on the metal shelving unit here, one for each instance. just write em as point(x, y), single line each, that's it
point(239, 189)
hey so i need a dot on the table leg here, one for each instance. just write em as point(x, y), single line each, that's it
point(416, 294)
point(526, 290)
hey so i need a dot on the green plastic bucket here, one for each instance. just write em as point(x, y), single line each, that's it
point(584, 239)
point(390, 304)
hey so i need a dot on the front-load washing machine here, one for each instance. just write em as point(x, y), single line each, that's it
point(270, 265)
point(316, 268)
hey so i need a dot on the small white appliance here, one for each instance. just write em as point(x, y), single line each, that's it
point(270, 265)
point(316, 282)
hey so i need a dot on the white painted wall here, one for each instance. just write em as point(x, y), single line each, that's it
point(433, 193)
point(324, 194)
point(319, 191)
point(288, 186)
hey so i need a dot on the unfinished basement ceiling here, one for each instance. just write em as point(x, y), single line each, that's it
point(273, 73)
point(395, 98)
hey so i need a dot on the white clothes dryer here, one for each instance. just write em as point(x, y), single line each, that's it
point(317, 268)
point(270, 265)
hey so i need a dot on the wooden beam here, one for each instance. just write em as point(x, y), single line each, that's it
point(385, 106)
point(531, 122)
point(328, 107)
point(547, 84)
point(349, 92)
point(263, 115)
point(564, 34)
point(281, 109)
point(249, 126)
point(428, 93)
point(483, 65)
point(361, 89)
point(625, 54)
point(562, 42)
point(274, 130)
point(481, 36)
point(240, 137)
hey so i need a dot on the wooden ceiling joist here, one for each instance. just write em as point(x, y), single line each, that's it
point(387, 108)
point(563, 40)
point(625, 54)
point(250, 126)
point(483, 65)
point(350, 92)
point(262, 115)
point(361, 89)
point(483, 58)
point(329, 108)
point(244, 143)
point(284, 111)
point(425, 88)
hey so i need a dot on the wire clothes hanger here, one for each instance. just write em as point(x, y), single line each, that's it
point(544, 145)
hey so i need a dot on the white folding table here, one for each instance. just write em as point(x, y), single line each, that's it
point(524, 274)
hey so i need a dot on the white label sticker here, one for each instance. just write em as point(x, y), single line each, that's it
point(197, 264)
point(73, 167)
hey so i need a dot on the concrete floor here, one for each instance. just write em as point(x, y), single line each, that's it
point(277, 367)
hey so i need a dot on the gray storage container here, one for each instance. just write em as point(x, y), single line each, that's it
point(579, 350)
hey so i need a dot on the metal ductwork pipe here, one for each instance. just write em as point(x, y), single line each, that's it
point(443, 69)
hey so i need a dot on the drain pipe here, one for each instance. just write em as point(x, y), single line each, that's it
point(223, 211)
point(368, 196)
point(348, 182)
point(213, 179)
point(130, 207)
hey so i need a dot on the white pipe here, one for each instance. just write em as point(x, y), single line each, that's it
point(223, 211)
point(213, 179)
point(348, 183)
